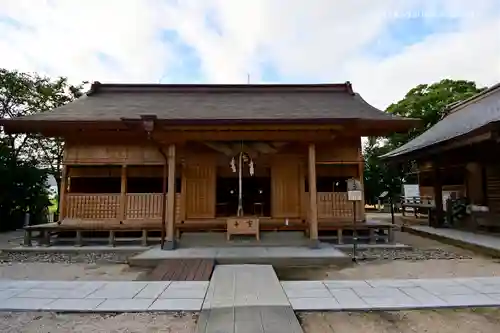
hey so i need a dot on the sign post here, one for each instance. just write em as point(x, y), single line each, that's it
point(354, 194)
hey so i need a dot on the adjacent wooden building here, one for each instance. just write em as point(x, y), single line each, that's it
point(459, 156)
point(158, 156)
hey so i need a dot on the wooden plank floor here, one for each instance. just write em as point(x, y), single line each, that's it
point(183, 270)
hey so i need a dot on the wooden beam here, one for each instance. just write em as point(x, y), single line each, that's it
point(62, 193)
point(254, 127)
point(171, 195)
point(220, 147)
point(264, 147)
point(123, 192)
point(313, 204)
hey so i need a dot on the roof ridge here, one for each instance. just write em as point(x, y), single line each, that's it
point(98, 87)
point(458, 105)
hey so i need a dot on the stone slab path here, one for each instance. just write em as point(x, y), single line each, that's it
point(102, 296)
point(352, 295)
point(247, 288)
point(246, 298)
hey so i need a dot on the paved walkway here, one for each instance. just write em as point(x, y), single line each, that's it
point(247, 288)
point(102, 296)
point(246, 298)
point(398, 294)
point(487, 242)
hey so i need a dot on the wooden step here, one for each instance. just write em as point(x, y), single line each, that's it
point(182, 270)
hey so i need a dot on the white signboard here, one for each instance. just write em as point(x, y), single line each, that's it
point(411, 190)
point(354, 195)
point(354, 190)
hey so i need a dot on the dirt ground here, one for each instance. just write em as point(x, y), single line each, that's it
point(39, 322)
point(68, 266)
point(68, 272)
point(468, 264)
point(427, 259)
point(483, 320)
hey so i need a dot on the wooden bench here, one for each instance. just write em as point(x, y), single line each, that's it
point(418, 204)
point(49, 229)
point(183, 270)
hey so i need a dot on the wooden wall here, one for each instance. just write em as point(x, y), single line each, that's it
point(111, 154)
point(198, 164)
point(474, 183)
point(340, 150)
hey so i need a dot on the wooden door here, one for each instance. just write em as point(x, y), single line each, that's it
point(285, 187)
point(199, 187)
point(493, 188)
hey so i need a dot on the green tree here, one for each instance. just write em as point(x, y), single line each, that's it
point(427, 102)
point(22, 190)
point(24, 94)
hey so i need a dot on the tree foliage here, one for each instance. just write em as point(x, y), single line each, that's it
point(27, 159)
point(22, 190)
point(23, 94)
point(427, 102)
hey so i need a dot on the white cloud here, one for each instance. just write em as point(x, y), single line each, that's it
point(314, 40)
point(65, 38)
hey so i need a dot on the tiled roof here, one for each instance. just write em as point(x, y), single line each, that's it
point(463, 117)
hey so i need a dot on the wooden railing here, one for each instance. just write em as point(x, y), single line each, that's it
point(144, 206)
point(92, 206)
point(138, 206)
point(336, 205)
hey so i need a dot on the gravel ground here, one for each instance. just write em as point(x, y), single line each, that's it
point(484, 320)
point(66, 257)
point(427, 259)
point(45, 322)
point(68, 266)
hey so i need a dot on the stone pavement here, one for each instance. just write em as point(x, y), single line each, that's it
point(487, 242)
point(102, 296)
point(247, 288)
point(352, 295)
point(246, 298)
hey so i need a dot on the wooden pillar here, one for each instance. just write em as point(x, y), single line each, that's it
point(313, 205)
point(123, 198)
point(62, 193)
point(361, 169)
point(438, 196)
point(171, 198)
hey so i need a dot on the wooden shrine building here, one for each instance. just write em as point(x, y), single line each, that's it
point(459, 157)
point(160, 156)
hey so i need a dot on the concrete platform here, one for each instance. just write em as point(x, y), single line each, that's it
point(276, 256)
